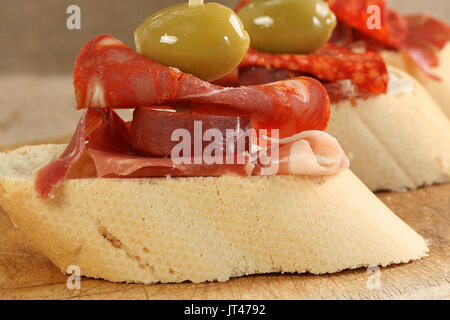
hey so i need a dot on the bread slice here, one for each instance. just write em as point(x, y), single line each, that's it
point(395, 141)
point(439, 90)
point(204, 229)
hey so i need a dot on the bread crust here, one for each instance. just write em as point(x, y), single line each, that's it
point(394, 142)
point(204, 229)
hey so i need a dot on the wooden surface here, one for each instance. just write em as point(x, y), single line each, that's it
point(25, 273)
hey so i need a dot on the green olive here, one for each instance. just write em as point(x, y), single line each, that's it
point(207, 40)
point(288, 26)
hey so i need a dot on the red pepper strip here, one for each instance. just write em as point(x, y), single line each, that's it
point(367, 71)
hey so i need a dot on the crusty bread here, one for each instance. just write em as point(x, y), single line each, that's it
point(394, 142)
point(439, 90)
point(204, 229)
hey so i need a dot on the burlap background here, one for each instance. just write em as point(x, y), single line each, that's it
point(37, 53)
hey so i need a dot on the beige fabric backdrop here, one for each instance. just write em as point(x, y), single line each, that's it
point(34, 37)
point(37, 53)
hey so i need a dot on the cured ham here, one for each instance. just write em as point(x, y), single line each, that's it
point(346, 74)
point(421, 37)
point(427, 36)
point(50, 178)
point(121, 160)
point(107, 140)
point(109, 74)
point(314, 153)
point(367, 71)
point(428, 29)
point(337, 91)
point(392, 29)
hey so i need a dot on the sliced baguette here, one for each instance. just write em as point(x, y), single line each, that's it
point(204, 229)
point(394, 142)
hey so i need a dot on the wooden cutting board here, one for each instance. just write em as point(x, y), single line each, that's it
point(25, 273)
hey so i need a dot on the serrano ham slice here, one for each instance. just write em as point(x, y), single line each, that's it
point(121, 160)
point(107, 140)
point(109, 74)
point(50, 178)
point(116, 165)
